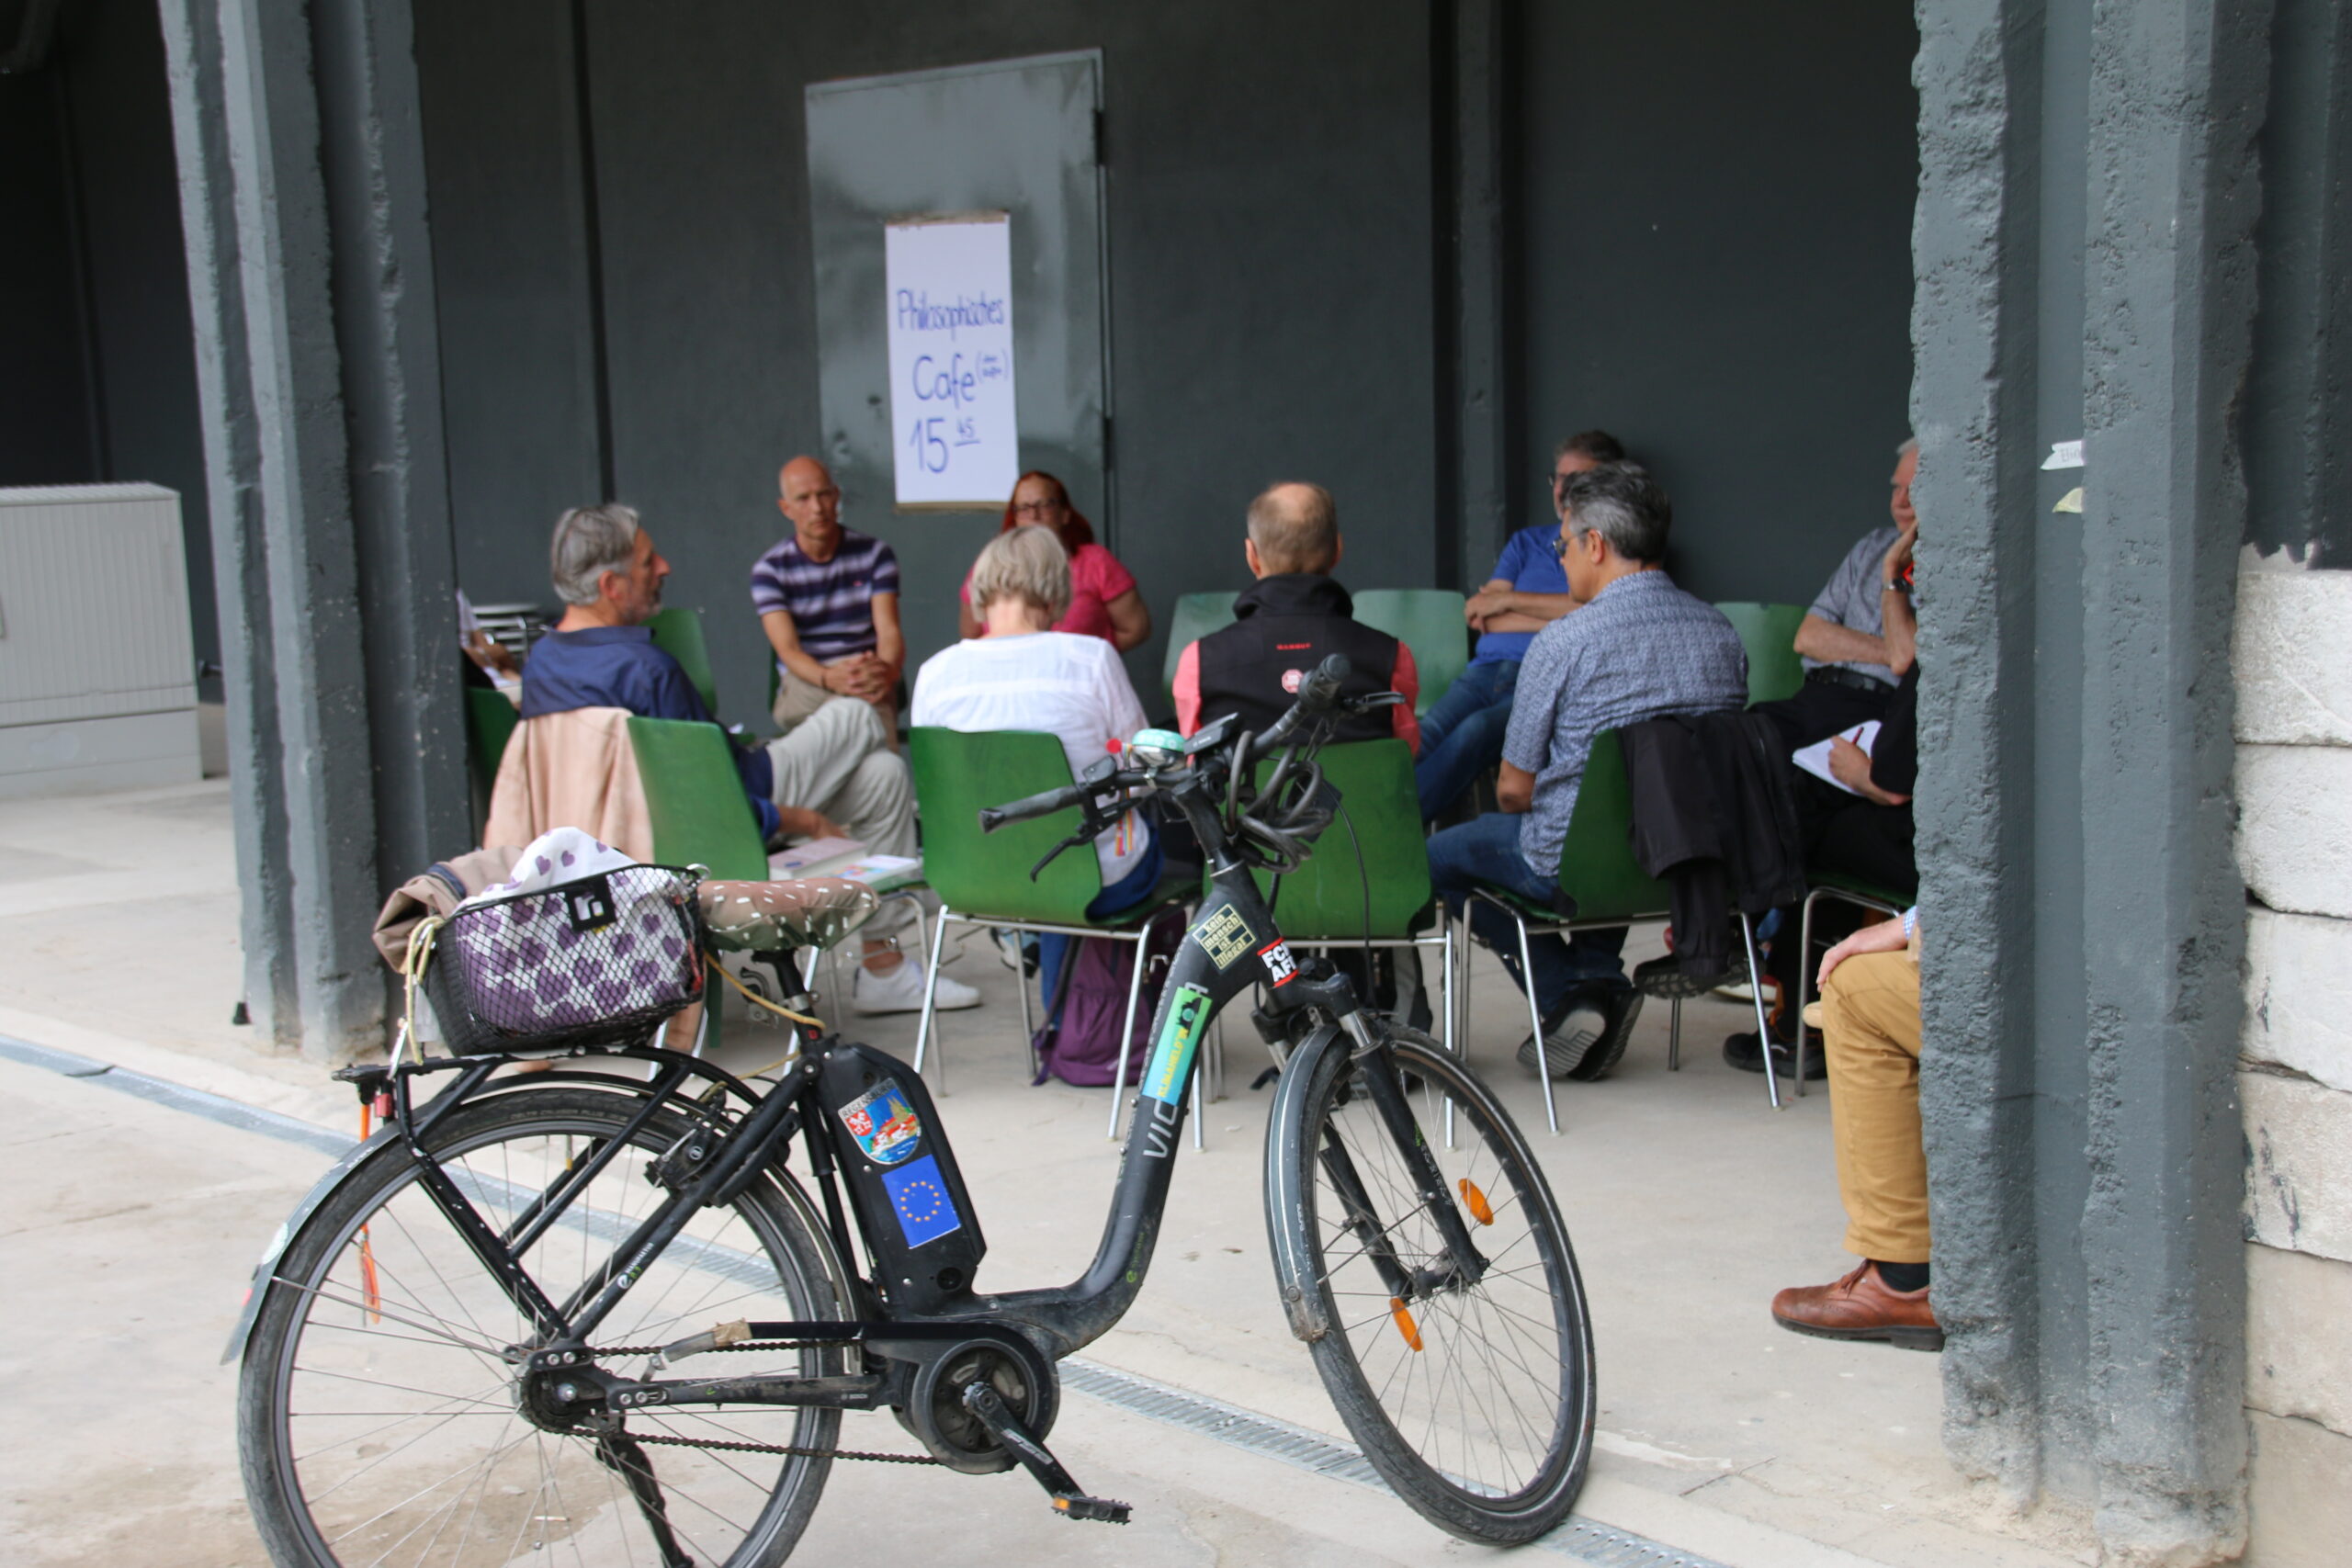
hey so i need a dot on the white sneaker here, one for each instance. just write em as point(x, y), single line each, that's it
point(901, 990)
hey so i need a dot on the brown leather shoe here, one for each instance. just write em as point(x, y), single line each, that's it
point(1860, 1306)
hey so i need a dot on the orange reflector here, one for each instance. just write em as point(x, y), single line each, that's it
point(1475, 1201)
point(1405, 1323)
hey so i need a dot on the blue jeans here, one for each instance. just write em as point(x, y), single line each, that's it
point(1462, 735)
point(1486, 850)
point(1054, 949)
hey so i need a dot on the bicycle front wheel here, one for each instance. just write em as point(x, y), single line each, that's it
point(1472, 1396)
point(381, 1414)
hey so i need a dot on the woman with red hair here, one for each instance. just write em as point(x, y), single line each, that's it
point(1102, 598)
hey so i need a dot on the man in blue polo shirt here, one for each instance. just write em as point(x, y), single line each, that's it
point(833, 776)
point(1462, 735)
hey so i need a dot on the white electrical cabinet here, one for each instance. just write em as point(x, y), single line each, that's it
point(98, 665)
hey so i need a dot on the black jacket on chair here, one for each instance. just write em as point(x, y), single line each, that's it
point(1715, 817)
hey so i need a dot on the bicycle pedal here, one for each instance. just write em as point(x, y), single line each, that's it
point(1078, 1506)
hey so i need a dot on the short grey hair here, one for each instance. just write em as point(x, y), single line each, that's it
point(1622, 503)
point(1025, 563)
point(589, 542)
point(1295, 526)
point(1910, 444)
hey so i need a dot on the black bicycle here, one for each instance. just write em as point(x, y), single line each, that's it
point(467, 1342)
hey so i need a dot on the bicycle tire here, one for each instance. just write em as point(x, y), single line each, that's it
point(1474, 1403)
point(407, 1421)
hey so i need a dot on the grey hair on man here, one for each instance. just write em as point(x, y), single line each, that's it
point(1910, 444)
point(1026, 563)
point(1622, 503)
point(589, 542)
point(1296, 527)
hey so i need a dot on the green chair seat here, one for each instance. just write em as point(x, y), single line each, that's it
point(1769, 632)
point(1429, 621)
point(693, 793)
point(1195, 616)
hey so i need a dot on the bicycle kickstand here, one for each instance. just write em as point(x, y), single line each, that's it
point(986, 1404)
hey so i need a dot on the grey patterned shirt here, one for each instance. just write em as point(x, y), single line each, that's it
point(1851, 597)
point(1642, 648)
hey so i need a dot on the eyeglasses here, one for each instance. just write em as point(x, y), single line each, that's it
point(1555, 479)
point(1038, 508)
point(1560, 546)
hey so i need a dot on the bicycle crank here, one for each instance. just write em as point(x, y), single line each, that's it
point(989, 1408)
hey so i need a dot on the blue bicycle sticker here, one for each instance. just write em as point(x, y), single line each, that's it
point(883, 1124)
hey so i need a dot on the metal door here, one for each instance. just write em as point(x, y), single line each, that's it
point(1017, 136)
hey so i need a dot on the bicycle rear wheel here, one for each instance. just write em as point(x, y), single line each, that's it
point(378, 1414)
point(1474, 1400)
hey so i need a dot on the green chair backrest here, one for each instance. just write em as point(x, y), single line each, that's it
point(490, 724)
point(1324, 900)
point(1597, 865)
point(695, 797)
point(1427, 620)
point(974, 873)
point(677, 631)
point(1195, 616)
point(1768, 632)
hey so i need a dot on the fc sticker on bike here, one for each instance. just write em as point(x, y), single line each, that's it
point(1280, 967)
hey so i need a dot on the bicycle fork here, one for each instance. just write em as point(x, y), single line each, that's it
point(1464, 1263)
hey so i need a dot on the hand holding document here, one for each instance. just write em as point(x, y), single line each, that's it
point(1815, 759)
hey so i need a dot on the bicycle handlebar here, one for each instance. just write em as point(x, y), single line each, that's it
point(1045, 805)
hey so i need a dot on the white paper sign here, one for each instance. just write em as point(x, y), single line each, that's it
point(949, 299)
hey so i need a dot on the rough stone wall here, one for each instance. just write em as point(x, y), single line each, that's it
point(2293, 657)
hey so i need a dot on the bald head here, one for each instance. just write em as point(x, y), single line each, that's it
point(807, 494)
point(1294, 527)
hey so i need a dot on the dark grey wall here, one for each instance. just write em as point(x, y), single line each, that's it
point(95, 335)
point(1716, 208)
point(1271, 275)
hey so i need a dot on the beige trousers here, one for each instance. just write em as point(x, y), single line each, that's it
point(797, 701)
point(1870, 1023)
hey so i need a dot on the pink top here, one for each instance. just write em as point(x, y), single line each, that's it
point(1095, 578)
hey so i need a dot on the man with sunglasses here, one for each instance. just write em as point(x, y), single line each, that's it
point(1462, 735)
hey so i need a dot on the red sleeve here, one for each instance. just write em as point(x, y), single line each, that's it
point(965, 593)
point(1188, 689)
point(1111, 578)
point(1405, 682)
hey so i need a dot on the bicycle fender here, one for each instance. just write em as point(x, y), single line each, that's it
point(291, 1228)
point(1293, 1275)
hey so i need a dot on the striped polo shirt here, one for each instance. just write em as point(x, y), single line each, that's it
point(831, 602)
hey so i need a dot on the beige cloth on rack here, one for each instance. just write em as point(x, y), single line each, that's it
point(576, 769)
point(436, 892)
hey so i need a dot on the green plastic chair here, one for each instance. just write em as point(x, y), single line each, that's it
point(1837, 888)
point(696, 798)
point(1768, 632)
point(490, 724)
point(1598, 871)
point(982, 879)
point(677, 631)
point(1429, 621)
point(1195, 616)
point(1323, 903)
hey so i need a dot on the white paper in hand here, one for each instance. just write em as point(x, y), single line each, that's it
point(1815, 759)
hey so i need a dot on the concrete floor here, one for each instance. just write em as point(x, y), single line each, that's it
point(132, 1227)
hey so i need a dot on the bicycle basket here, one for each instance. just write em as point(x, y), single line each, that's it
point(599, 961)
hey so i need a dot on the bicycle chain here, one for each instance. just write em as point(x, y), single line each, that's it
point(784, 1448)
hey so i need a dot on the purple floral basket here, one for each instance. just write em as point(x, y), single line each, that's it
point(600, 961)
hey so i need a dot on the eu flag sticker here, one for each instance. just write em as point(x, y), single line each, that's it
point(918, 1194)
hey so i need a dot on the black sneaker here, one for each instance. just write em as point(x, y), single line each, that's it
point(1664, 977)
point(1739, 1051)
point(1575, 1025)
point(1624, 1005)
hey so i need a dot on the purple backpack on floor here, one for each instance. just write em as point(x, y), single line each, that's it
point(1079, 1041)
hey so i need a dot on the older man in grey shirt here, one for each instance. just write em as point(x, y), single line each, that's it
point(1637, 647)
point(1859, 637)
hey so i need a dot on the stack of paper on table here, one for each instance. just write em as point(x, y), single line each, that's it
point(846, 858)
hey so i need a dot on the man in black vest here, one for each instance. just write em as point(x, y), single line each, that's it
point(1290, 621)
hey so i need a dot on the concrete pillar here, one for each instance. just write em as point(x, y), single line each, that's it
point(302, 187)
point(1476, 297)
point(1974, 337)
point(2177, 92)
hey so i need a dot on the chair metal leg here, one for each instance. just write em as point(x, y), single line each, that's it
point(1535, 1018)
point(1200, 1071)
point(1805, 978)
point(930, 997)
point(1674, 1038)
point(1028, 1029)
point(1446, 1001)
point(1763, 1030)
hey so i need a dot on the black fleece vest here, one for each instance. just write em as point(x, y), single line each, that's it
point(1285, 626)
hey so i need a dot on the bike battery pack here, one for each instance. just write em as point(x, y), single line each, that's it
point(918, 1224)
